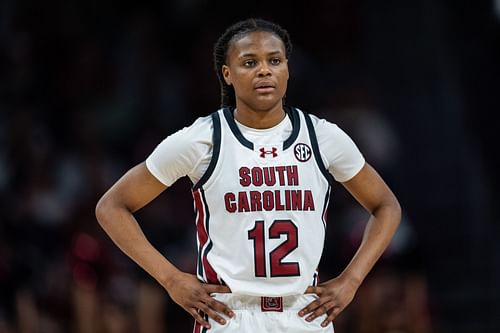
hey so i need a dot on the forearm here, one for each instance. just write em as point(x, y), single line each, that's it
point(125, 232)
point(378, 233)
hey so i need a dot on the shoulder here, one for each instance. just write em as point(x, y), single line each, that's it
point(319, 122)
point(198, 132)
point(180, 152)
point(339, 152)
point(200, 128)
point(324, 129)
point(196, 136)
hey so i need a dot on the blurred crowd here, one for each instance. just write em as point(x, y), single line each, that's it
point(88, 89)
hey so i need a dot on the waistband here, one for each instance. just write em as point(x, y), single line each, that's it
point(265, 303)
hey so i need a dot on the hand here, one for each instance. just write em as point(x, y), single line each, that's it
point(194, 297)
point(334, 296)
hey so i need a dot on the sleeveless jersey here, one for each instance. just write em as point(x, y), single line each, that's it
point(261, 210)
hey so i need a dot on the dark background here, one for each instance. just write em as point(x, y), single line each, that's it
point(89, 88)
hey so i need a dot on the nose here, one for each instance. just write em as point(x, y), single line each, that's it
point(264, 69)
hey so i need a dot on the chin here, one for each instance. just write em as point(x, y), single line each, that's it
point(266, 105)
point(261, 103)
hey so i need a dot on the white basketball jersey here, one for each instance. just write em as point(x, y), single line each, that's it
point(261, 210)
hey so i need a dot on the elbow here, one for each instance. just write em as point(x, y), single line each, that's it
point(396, 211)
point(109, 209)
point(389, 210)
point(102, 210)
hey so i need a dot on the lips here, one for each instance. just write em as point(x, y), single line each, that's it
point(264, 86)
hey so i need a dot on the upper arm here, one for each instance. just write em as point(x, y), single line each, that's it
point(133, 190)
point(370, 190)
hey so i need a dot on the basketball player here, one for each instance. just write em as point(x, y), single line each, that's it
point(261, 173)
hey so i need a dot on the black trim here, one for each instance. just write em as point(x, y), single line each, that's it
point(209, 244)
point(228, 114)
point(216, 141)
point(200, 263)
point(294, 118)
point(207, 224)
point(325, 205)
point(204, 329)
point(292, 113)
point(315, 148)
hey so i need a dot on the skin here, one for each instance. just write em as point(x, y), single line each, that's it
point(114, 212)
point(258, 58)
point(257, 68)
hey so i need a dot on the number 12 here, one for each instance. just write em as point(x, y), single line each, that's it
point(277, 267)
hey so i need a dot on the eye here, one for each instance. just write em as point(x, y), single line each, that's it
point(275, 61)
point(249, 63)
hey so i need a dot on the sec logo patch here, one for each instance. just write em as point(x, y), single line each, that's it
point(302, 152)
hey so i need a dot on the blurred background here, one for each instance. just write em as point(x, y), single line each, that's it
point(89, 88)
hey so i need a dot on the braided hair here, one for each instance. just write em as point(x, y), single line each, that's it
point(234, 32)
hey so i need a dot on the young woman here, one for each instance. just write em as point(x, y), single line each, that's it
point(261, 174)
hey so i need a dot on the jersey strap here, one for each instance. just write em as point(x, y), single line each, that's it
point(216, 137)
point(294, 118)
point(315, 148)
point(321, 165)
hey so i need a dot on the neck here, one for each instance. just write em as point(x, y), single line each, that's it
point(260, 119)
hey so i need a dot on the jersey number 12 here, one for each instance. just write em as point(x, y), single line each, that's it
point(276, 267)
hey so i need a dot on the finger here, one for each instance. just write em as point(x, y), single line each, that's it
point(219, 307)
point(332, 315)
point(211, 313)
point(320, 310)
point(215, 288)
point(215, 304)
point(197, 316)
point(312, 290)
point(310, 308)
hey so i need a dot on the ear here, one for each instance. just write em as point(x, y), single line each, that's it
point(287, 70)
point(226, 74)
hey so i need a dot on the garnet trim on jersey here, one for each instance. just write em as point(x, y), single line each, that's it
point(205, 271)
point(197, 326)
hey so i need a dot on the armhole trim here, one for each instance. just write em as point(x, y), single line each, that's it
point(216, 141)
point(294, 118)
point(315, 148)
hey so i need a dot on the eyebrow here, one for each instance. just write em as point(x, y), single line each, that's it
point(245, 55)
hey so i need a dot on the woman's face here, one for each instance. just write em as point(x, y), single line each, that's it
point(257, 68)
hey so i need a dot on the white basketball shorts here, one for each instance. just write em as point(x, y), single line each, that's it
point(267, 315)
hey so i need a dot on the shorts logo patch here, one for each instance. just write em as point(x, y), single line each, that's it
point(302, 152)
point(271, 304)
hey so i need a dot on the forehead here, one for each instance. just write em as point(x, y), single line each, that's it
point(256, 42)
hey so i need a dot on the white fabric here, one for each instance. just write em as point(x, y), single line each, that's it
point(188, 151)
point(243, 216)
point(249, 317)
